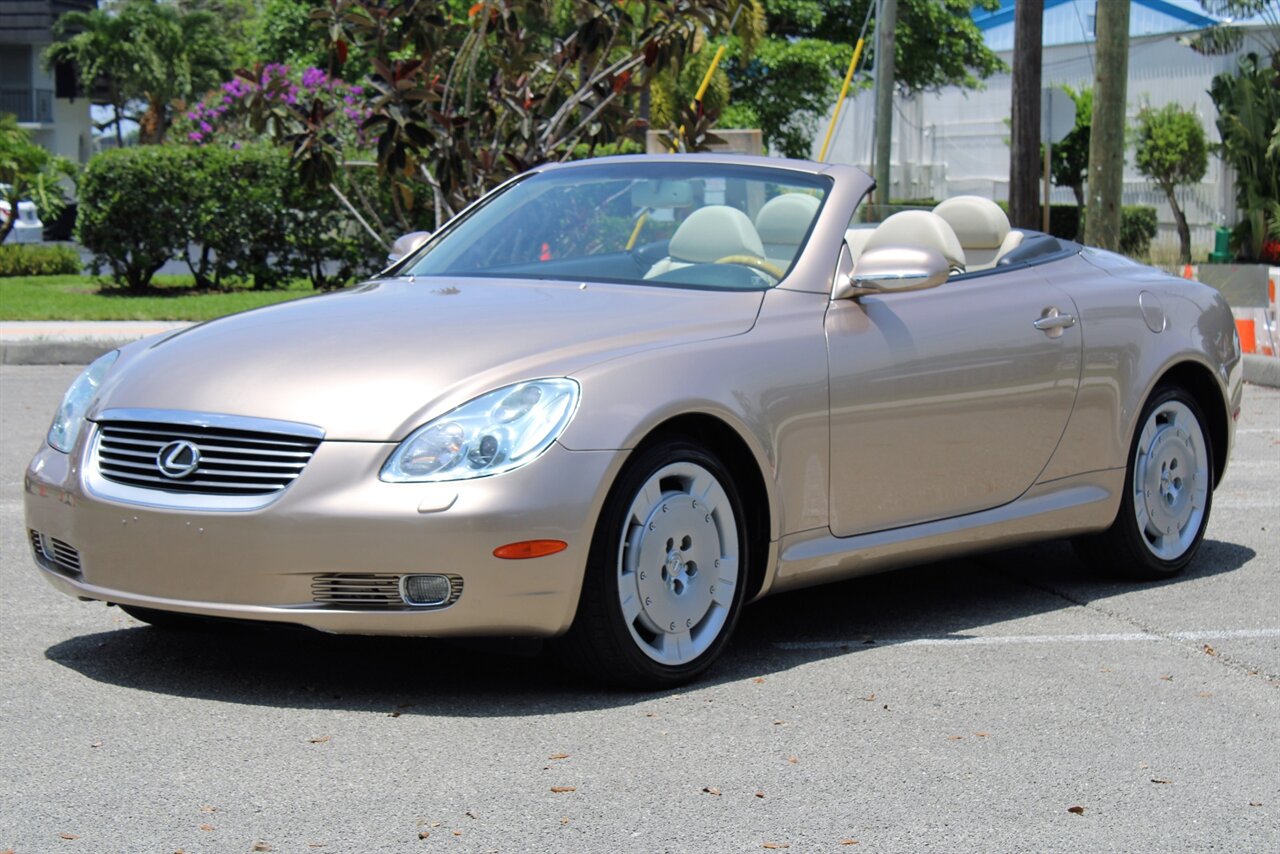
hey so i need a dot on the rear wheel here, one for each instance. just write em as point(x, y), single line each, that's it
point(667, 571)
point(1168, 492)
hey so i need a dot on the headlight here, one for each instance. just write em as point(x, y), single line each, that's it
point(494, 433)
point(76, 402)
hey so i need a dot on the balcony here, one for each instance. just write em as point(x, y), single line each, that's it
point(29, 105)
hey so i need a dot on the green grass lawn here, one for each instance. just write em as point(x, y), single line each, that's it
point(96, 298)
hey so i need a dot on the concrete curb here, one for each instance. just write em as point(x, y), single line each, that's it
point(72, 352)
point(56, 342)
point(1262, 370)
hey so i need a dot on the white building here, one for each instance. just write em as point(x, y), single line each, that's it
point(46, 102)
point(956, 141)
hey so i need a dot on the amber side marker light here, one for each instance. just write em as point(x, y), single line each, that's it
point(529, 548)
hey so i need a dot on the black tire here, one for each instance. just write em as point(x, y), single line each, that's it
point(1128, 549)
point(601, 643)
point(173, 621)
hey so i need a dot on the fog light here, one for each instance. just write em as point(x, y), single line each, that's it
point(425, 589)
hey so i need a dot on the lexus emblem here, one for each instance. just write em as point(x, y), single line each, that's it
point(178, 459)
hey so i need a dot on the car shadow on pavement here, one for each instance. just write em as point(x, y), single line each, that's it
point(298, 668)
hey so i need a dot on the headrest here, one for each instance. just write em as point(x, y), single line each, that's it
point(786, 218)
point(919, 228)
point(978, 223)
point(715, 232)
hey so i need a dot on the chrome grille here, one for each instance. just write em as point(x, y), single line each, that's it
point(232, 461)
point(55, 554)
point(369, 590)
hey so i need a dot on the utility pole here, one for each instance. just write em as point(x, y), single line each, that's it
point(886, 23)
point(1106, 141)
point(1024, 148)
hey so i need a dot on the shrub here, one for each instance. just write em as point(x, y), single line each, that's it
point(323, 244)
point(36, 260)
point(134, 203)
point(1137, 229)
point(238, 216)
point(1137, 226)
point(233, 214)
point(1064, 222)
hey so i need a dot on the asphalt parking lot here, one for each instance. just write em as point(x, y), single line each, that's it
point(963, 706)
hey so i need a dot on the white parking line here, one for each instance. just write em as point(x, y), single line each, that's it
point(986, 640)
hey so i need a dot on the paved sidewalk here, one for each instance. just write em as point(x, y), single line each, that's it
point(66, 342)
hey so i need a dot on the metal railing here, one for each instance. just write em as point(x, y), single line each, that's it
point(29, 105)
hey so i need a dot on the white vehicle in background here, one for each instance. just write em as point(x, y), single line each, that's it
point(27, 228)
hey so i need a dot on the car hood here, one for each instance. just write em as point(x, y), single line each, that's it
point(374, 362)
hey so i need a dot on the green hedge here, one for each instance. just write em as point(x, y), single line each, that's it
point(21, 259)
point(234, 215)
point(1137, 226)
point(1137, 230)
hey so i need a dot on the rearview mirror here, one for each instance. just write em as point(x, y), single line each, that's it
point(889, 269)
point(406, 245)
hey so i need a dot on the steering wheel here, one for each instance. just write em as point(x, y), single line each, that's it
point(754, 262)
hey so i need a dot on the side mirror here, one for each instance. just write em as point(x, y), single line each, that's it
point(406, 245)
point(889, 269)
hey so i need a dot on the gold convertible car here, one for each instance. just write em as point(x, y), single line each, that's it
point(615, 400)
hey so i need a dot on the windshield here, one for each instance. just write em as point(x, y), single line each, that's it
point(702, 225)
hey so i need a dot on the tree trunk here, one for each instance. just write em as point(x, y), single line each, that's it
point(151, 126)
point(1184, 231)
point(886, 23)
point(1024, 154)
point(1106, 142)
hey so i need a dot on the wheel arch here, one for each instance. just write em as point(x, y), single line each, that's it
point(718, 436)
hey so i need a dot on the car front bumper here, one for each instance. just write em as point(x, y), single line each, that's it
point(336, 518)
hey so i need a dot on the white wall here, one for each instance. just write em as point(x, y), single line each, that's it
point(956, 142)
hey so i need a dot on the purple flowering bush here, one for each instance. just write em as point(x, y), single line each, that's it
point(283, 102)
point(309, 232)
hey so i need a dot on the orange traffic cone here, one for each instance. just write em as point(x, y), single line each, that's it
point(1186, 272)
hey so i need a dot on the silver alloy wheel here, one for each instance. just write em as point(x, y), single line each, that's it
point(678, 563)
point(1170, 480)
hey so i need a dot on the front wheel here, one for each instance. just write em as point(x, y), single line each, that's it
point(667, 571)
point(1168, 491)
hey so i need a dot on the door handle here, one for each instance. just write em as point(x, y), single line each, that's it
point(1054, 321)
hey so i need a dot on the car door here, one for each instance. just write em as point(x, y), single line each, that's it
point(946, 401)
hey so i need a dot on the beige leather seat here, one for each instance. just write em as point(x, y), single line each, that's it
point(982, 228)
point(782, 224)
point(706, 236)
point(920, 229)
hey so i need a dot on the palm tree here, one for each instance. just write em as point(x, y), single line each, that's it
point(144, 51)
point(186, 55)
point(100, 46)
